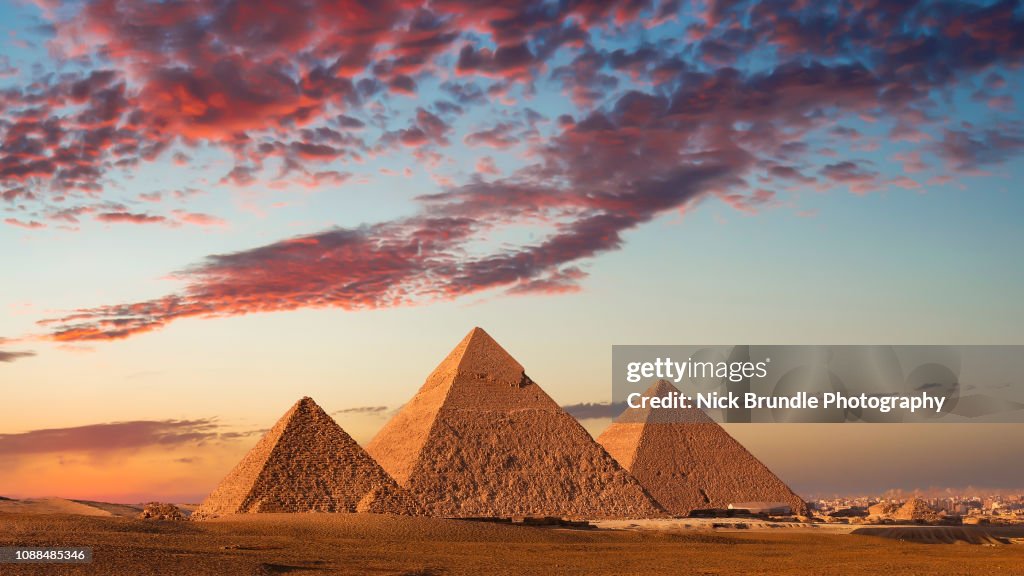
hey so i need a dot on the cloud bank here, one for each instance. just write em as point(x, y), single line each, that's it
point(737, 101)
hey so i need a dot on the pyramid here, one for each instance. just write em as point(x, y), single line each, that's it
point(306, 463)
point(480, 439)
point(883, 509)
point(916, 510)
point(688, 462)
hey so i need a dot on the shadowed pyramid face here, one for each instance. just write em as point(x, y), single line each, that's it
point(687, 461)
point(480, 438)
point(306, 463)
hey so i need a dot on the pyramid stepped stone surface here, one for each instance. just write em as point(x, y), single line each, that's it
point(480, 439)
point(916, 510)
point(307, 463)
point(883, 509)
point(688, 462)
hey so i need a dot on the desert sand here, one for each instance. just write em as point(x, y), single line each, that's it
point(989, 535)
point(326, 544)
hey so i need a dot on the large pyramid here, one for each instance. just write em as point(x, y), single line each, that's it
point(482, 439)
point(687, 462)
point(307, 463)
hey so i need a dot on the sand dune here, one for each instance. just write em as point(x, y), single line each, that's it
point(125, 510)
point(53, 506)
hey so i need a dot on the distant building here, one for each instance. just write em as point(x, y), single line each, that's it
point(770, 508)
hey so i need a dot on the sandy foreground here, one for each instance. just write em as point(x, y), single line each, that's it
point(321, 544)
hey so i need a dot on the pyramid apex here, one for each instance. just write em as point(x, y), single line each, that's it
point(480, 336)
point(478, 354)
point(305, 407)
point(306, 402)
point(649, 415)
point(483, 354)
point(661, 387)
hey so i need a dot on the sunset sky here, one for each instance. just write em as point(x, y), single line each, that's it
point(211, 208)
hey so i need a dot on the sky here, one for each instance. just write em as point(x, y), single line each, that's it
point(211, 208)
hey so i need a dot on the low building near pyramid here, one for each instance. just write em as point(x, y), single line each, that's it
point(307, 463)
point(688, 462)
point(481, 439)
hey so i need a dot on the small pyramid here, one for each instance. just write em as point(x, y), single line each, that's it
point(306, 463)
point(482, 439)
point(688, 462)
point(883, 509)
point(916, 510)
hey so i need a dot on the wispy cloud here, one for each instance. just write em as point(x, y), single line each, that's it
point(374, 410)
point(595, 410)
point(108, 437)
point(11, 355)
